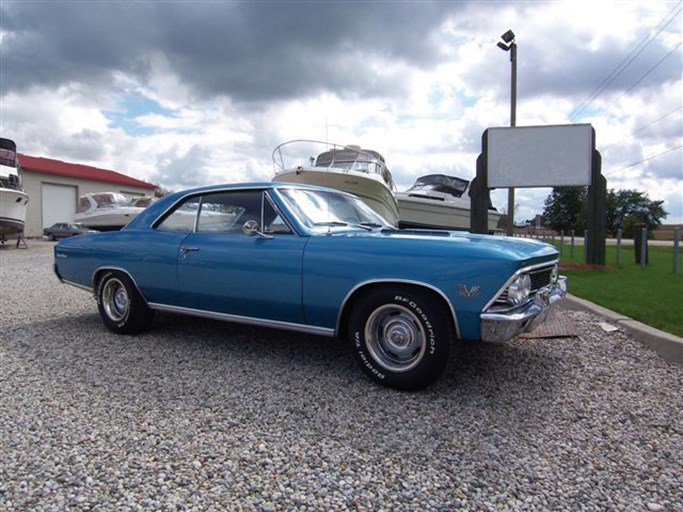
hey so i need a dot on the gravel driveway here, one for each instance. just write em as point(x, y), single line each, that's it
point(202, 415)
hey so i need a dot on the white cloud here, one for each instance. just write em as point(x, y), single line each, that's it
point(423, 100)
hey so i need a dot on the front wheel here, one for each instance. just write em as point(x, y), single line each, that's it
point(121, 307)
point(400, 338)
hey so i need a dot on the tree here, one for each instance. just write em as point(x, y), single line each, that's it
point(565, 209)
point(626, 208)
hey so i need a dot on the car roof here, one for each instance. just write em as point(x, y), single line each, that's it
point(153, 211)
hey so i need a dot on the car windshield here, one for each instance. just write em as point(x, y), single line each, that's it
point(322, 210)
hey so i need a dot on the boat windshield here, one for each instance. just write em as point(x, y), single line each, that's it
point(321, 210)
point(110, 200)
point(441, 183)
point(354, 165)
point(9, 165)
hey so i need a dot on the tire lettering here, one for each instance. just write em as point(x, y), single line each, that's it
point(364, 358)
point(428, 325)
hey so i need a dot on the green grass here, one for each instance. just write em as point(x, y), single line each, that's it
point(652, 295)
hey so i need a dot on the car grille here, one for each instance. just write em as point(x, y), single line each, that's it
point(540, 277)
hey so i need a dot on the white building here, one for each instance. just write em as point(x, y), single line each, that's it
point(54, 187)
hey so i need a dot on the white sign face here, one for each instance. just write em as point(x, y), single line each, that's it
point(540, 156)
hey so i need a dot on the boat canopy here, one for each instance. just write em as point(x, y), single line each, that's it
point(355, 159)
point(440, 183)
point(8, 153)
point(9, 172)
point(348, 155)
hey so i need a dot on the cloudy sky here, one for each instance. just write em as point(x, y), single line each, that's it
point(185, 93)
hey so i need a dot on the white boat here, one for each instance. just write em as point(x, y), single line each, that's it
point(439, 201)
point(362, 172)
point(105, 211)
point(13, 199)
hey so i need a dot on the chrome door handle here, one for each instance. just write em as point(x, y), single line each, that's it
point(186, 249)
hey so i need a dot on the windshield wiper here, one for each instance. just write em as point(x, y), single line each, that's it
point(365, 225)
point(331, 223)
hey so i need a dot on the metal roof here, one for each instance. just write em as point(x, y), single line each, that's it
point(84, 172)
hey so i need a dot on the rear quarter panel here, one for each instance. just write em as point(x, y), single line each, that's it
point(149, 257)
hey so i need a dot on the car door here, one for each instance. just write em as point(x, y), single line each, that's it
point(223, 270)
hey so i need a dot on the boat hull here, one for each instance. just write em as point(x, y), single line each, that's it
point(108, 221)
point(417, 212)
point(12, 211)
point(372, 192)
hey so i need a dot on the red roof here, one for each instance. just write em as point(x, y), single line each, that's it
point(84, 172)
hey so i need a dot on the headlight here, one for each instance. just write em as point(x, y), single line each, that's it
point(554, 274)
point(518, 291)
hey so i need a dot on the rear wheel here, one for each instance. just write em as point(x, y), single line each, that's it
point(121, 307)
point(400, 337)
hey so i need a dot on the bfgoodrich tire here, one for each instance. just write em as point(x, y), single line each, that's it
point(401, 337)
point(122, 308)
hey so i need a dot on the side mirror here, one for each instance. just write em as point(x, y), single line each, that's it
point(250, 228)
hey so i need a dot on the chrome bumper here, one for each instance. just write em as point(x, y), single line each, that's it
point(499, 327)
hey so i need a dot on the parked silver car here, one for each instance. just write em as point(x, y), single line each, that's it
point(66, 229)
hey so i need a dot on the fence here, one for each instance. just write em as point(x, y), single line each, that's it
point(640, 244)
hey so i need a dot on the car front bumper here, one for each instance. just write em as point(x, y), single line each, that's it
point(499, 327)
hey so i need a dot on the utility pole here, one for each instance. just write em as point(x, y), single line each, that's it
point(509, 45)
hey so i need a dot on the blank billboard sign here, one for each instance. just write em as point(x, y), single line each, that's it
point(540, 156)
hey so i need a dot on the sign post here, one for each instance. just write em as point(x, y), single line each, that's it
point(542, 156)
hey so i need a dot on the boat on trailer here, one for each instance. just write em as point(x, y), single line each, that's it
point(361, 172)
point(105, 211)
point(439, 201)
point(13, 199)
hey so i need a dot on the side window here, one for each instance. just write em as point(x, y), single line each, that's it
point(226, 212)
point(272, 220)
point(182, 219)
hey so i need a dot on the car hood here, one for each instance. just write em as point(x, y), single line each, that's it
point(484, 245)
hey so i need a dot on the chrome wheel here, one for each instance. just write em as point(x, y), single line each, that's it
point(115, 299)
point(395, 338)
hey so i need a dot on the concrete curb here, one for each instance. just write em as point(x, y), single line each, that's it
point(668, 346)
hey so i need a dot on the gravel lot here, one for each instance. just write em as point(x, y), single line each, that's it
point(202, 415)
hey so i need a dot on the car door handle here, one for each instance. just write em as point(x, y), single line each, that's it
point(185, 249)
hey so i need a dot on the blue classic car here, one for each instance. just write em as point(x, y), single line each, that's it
point(319, 261)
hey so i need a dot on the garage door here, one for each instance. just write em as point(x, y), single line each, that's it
point(59, 203)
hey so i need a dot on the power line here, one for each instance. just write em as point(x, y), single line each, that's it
point(600, 88)
point(604, 112)
point(645, 127)
point(644, 160)
point(657, 120)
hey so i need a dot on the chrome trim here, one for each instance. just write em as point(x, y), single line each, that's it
point(398, 281)
point(530, 268)
point(278, 210)
point(501, 327)
point(77, 285)
point(275, 324)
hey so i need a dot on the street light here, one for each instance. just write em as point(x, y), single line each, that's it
point(509, 45)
